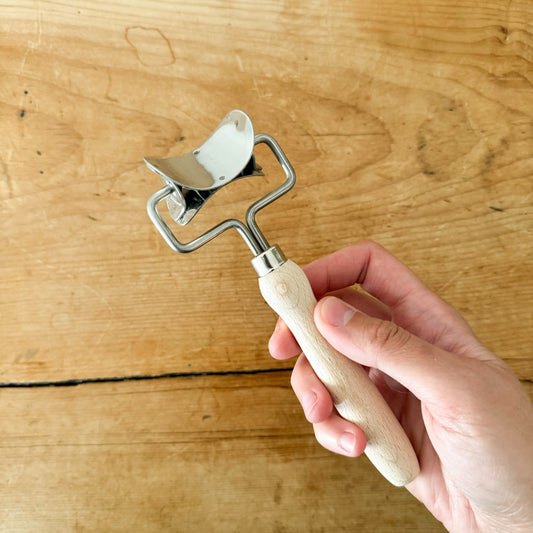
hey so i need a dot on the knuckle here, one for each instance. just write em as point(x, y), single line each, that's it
point(388, 335)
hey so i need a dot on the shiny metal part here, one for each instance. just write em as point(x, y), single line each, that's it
point(276, 193)
point(222, 161)
point(268, 261)
point(184, 248)
point(227, 155)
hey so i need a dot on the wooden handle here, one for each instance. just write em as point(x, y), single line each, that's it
point(287, 290)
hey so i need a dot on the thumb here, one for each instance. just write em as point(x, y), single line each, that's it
point(418, 365)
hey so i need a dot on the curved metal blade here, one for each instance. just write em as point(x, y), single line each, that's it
point(194, 177)
point(219, 160)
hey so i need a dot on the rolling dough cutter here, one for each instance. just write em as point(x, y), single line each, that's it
point(189, 181)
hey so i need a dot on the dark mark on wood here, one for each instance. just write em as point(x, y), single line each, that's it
point(149, 377)
point(498, 209)
point(22, 113)
point(30, 354)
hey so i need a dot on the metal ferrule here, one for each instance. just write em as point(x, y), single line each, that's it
point(268, 261)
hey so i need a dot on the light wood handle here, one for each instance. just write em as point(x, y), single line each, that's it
point(288, 292)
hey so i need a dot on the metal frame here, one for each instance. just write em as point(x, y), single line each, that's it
point(250, 232)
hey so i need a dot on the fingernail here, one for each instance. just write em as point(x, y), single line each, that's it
point(347, 441)
point(336, 312)
point(309, 400)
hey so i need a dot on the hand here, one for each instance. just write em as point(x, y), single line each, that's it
point(465, 412)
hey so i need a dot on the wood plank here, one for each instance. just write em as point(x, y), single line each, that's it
point(407, 123)
point(392, 138)
point(224, 454)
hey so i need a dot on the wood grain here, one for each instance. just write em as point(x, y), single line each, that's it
point(406, 122)
point(176, 455)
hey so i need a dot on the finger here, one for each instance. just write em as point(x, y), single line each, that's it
point(364, 302)
point(340, 436)
point(423, 368)
point(412, 304)
point(313, 396)
point(367, 264)
point(394, 393)
point(282, 344)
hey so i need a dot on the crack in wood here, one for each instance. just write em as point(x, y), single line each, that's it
point(115, 379)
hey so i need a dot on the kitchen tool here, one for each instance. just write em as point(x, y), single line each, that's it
point(189, 181)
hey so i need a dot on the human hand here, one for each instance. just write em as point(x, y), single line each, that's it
point(465, 412)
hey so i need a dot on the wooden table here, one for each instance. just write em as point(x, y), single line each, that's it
point(137, 390)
